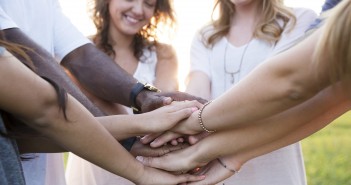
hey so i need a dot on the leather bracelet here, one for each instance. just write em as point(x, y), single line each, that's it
point(137, 88)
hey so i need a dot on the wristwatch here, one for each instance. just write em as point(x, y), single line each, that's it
point(137, 88)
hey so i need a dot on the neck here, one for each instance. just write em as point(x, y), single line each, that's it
point(243, 23)
point(248, 13)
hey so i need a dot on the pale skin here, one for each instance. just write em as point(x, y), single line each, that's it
point(25, 88)
point(291, 83)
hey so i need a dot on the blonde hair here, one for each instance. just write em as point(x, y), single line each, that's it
point(333, 52)
point(267, 29)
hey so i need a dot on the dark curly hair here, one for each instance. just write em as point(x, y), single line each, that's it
point(146, 37)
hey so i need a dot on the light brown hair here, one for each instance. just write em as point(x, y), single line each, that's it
point(333, 52)
point(268, 28)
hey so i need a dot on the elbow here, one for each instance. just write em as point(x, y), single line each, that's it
point(44, 113)
point(298, 92)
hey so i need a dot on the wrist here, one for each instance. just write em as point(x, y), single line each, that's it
point(140, 91)
point(231, 163)
point(139, 174)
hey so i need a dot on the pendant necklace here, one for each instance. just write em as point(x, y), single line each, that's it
point(233, 73)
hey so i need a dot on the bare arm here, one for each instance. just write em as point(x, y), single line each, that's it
point(265, 135)
point(199, 84)
point(47, 66)
point(278, 84)
point(25, 88)
point(110, 81)
point(166, 68)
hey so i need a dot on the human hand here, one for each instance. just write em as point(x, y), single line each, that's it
point(157, 140)
point(139, 149)
point(165, 118)
point(153, 176)
point(214, 173)
point(180, 160)
point(152, 100)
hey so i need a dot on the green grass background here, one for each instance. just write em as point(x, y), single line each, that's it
point(326, 154)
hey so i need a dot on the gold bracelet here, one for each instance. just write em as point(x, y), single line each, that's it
point(200, 118)
point(225, 166)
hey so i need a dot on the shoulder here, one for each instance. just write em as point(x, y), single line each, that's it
point(303, 13)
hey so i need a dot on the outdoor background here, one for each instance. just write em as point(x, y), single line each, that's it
point(326, 153)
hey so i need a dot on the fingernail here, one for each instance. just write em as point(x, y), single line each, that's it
point(193, 109)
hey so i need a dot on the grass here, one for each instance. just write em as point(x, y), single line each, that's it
point(327, 154)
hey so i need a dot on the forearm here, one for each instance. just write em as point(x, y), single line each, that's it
point(47, 66)
point(123, 126)
point(166, 69)
point(110, 82)
point(202, 89)
point(38, 145)
point(282, 129)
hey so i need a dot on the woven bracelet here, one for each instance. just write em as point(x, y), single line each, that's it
point(225, 166)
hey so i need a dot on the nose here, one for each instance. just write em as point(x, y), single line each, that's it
point(138, 7)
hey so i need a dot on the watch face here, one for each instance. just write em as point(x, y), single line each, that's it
point(151, 87)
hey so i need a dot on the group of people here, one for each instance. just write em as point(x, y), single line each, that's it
point(262, 83)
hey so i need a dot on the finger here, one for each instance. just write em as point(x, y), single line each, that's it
point(164, 138)
point(183, 178)
point(155, 162)
point(193, 139)
point(167, 101)
point(174, 142)
point(148, 138)
point(180, 140)
point(170, 148)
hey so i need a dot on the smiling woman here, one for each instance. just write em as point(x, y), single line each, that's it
point(128, 32)
point(190, 15)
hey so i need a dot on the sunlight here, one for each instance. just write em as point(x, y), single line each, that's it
point(191, 15)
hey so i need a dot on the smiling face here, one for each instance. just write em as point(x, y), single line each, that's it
point(129, 16)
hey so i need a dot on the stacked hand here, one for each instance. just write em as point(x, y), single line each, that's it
point(175, 149)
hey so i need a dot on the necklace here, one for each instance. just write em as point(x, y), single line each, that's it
point(233, 73)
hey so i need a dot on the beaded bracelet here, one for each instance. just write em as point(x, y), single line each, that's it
point(200, 118)
point(225, 166)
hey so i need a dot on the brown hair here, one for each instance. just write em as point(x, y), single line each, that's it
point(268, 28)
point(333, 52)
point(147, 36)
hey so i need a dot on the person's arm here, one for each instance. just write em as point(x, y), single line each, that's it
point(199, 84)
point(33, 100)
point(47, 66)
point(156, 121)
point(166, 68)
point(215, 172)
point(264, 136)
point(278, 84)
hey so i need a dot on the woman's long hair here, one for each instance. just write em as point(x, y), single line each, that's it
point(163, 16)
point(267, 29)
point(333, 52)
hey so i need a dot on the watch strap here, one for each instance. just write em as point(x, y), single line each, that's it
point(137, 88)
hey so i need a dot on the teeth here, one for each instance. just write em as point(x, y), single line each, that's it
point(132, 19)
